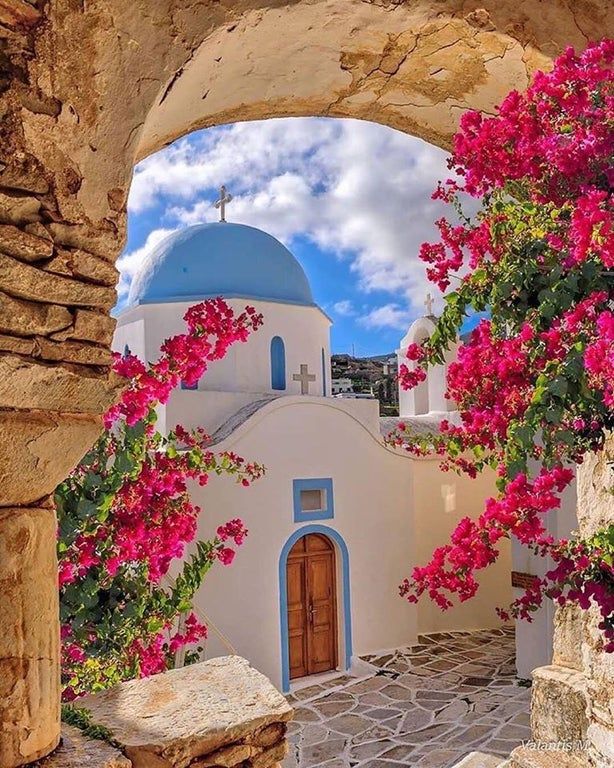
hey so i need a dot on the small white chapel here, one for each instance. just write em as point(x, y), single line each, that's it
point(340, 517)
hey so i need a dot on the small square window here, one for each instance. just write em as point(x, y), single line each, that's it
point(313, 499)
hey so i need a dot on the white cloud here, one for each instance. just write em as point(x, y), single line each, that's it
point(387, 316)
point(129, 263)
point(356, 189)
point(345, 308)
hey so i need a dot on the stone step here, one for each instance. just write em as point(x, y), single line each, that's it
point(529, 757)
point(481, 760)
point(559, 704)
point(79, 751)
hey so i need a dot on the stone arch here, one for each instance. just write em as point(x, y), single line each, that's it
point(88, 89)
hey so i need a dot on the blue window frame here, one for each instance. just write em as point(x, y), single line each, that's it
point(313, 499)
point(189, 386)
point(278, 363)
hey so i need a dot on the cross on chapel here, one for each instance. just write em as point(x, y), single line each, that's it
point(304, 377)
point(428, 303)
point(225, 198)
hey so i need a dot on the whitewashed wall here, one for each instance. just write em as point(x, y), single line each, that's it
point(246, 367)
point(441, 500)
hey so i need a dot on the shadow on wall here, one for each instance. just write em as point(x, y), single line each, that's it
point(440, 501)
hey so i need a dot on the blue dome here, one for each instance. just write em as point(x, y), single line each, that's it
point(220, 259)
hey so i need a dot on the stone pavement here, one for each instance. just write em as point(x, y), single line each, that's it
point(426, 705)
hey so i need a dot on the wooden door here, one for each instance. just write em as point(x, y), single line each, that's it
point(312, 611)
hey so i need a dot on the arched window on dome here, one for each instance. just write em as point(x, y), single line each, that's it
point(278, 363)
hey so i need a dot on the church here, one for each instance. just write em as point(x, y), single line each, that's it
point(340, 517)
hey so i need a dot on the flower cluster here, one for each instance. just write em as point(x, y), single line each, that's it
point(534, 383)
point(125, 515)
point(211, 328)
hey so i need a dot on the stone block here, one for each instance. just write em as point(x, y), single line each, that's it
point(28, 318)
point(267, 736)
point(601, 743)
point(567, 648)
point(270, 756)
point(27, 282)
point(170, 720)
point(18, 209)
point(58, 389)
point(73, 352)
point(227, 757)
point(18, 13)
point(79, 263)
point(103, 242)
point(595, 480)
point(29, 635)
point(531, 757)
point(22, 245)
point(38, 450)
point(77, 750)
point(559, 705)
point(89, 326)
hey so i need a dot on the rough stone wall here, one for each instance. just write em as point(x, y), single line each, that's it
point(87, 87)
point(572, 698)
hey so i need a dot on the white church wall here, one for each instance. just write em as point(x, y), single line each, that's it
point(441, 499)
point(300, 438)
point(430, 395)
point(132, 334)
point(246, 367)
point(209, 410)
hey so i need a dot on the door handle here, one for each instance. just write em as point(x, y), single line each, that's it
point(311, 611)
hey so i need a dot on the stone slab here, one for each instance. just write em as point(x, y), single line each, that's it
point(527, 757)
point(79, 751)
point(173, 718)
point(480, 760)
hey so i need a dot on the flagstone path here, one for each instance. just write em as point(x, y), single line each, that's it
point(426, 705)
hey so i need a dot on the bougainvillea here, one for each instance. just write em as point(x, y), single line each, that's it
point(125, 514)
point(535, 382)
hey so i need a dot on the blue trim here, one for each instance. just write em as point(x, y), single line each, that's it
point(283, 596)
point(189, 386)
point(313, 484)
point(278, 363)
point(204, 296)
point(323, 373)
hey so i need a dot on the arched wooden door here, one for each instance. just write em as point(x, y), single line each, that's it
point(312, 610)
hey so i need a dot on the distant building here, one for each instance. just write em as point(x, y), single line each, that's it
point(390, 366)
point(341, 386)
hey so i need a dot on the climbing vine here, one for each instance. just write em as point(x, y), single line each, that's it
point(535, 382)
point(125, 515)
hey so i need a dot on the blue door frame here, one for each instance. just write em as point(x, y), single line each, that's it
point(283, 596)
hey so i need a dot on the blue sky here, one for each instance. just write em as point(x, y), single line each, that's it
point(350, 199)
